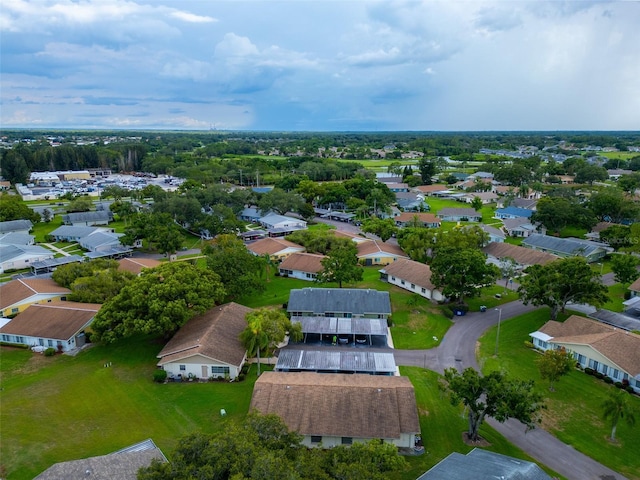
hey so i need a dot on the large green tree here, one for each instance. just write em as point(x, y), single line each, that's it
point(462, 273)
point(384, 228)
point(617, 407)
point(13, 208)
point(239, 270)
point(625, 268)
point(493, 395)
point(14, 167)
point(555, 213)
point(157, 230)
point(612, 205)
point(560, 282)
point(279, 201)
point(340, 266)
point(159, 301)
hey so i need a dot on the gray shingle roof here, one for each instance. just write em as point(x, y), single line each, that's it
point(567, 246)
point(484, 465)
point(342, 300)
point(97, 216)
point(15, 226)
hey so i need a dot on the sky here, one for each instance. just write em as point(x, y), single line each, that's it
point(327, 65)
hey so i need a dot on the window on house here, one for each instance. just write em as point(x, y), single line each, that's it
point(393, 279)
point(14, 310)
point(377, 260)
point(615, 373)
point(19, 339)
point(41, 342)
point(216, 370)
point(413, 286)
point(605, 369)
point(316, 438)
point(347, 440)
point(5, 338)
point(401, 282)
point(183, 368)
point(50, 343)
point(424, 290)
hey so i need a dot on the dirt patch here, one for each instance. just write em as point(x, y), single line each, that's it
point(481, 442)
point(417, 320)
point(423, 412)
point(36, 362)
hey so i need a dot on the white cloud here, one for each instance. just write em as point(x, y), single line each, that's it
point(192, 18)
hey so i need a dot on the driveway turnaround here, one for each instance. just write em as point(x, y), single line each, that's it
point(458, 349)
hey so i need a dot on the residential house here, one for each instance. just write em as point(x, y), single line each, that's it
point(136, 265)
point(495, 234)
point(339, 303)
point(397, 187)
point(274, 221)
point(332, 409)
point(15, 238)
point(485, 197)
point(17, 295)
point(276, 248)
point(43, 267)
point(635, 288)
point(616, 173)
point(17, 257)
point(252, 235)
point(121, 465)
point(524, 257)
point(337, 360)
point(459, 215)
point(303, 266)
point(16, 226)
point(566, 179)
point(69, 233)
point(59, 325)
point(357, 238)
point(251, 214)
point(104, 244)
point(429, 190)
point(603, 348)
point(88, 219)
point(483, 175)
point(513, 212)
point(378, 253)
point(528, 203)
point(409, 201)
point(520, 227)
point(339, 216)
point(412, 276)
point(485, 465)
point(208, 345)
point(568, 247)
point(411, 219)
point(594, 234)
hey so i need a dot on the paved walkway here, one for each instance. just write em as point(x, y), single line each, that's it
point(458, 349)
point(56, 249)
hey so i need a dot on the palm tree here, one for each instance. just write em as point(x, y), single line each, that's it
point(268, 263)
point(615, 407)
point(255, 337)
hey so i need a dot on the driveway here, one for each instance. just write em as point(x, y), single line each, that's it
point(458, 349)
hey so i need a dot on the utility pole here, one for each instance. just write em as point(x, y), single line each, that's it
point(240, 176)
point(498, 333)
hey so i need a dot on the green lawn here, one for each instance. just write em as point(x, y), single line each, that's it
point(64, 408)
point(42, 229)
point(573, 410)
point(616, 297)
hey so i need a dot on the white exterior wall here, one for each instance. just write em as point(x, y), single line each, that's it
point(41, 341)
point(299, 275)
point(406, 440)
point(434, 295)
point(193, 365)
point(23, 261)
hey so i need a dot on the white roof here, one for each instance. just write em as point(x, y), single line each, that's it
point(631, 301)
point(541, 336)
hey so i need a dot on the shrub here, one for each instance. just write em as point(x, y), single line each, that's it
point(618, 384)
point(599, 375)
point(389, 322)
point(589, 371)
point(159, 376)
point(240, 377)
point(629, 389)
point(578, 365)
point(608, 380)
point(625, 382)
point(447, 312)
point(627, 295)
point(50, 352)
point(528, 344)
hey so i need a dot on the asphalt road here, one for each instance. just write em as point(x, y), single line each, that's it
point(458, 349)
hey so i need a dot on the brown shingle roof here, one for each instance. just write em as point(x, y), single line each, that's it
point(135, 265)
point(621, 347)
point(303, 262)
point(373, 247)
point(21, 289)
point(522, 255)
point(360, 406)
point(215, 334)
point(351, 236)
point(462, 212)
point(59, 320)
point(635, 286)
point(422, 217)
point(411, 271)
point(432, 188)
point(271, 246)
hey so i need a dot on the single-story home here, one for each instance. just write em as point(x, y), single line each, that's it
point(251, 214)
point(568, 247)
point(524, 257)
point(528, 203)
point(16, 226)
point(88, 219)
point(520, 227)
point(339, 302)
point(276, 248)
point(495, 234)
point(409, 201)
point(603, 348)
point(15, 238)
point(274, 221)
point(17, 295)
point(412, 276)
point(136, 265)
point(351, 236)
point(121, 465)
point(429, 190)
point(485, 465)
point(208, 345)
point(304, 266)
point(410, 219)
point(397, 187)
point(69, 233)
point(459, 215)
point(330, 409)
point(101, 241)
point(485, 197)
point(635, 288)
point(59, 325)
point(336, 360)
point(16, 257)
point(513, 212)
point(379, 253)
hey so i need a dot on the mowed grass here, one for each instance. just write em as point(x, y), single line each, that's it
point(573, 412)
point(64, 408)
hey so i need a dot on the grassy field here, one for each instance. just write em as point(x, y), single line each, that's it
point(573, 411)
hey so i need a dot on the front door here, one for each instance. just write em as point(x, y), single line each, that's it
point(205, 371)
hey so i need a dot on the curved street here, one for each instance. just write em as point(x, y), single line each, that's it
point(458, 349)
